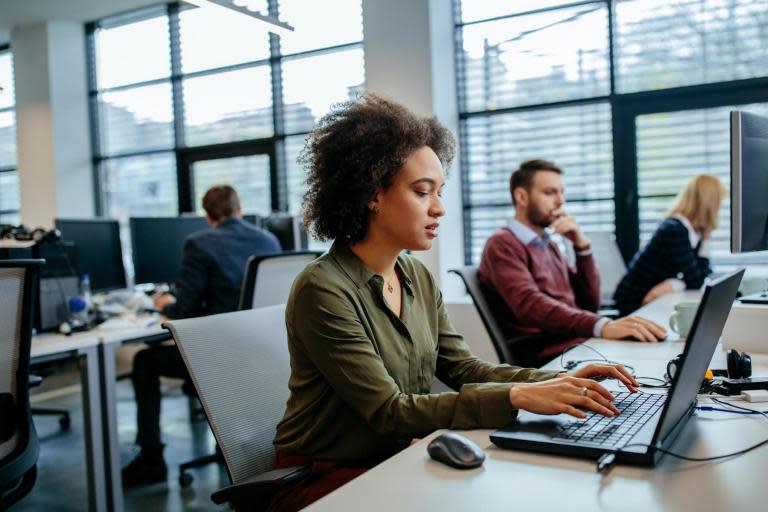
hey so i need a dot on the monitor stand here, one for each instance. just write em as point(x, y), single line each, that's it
point(755, 298)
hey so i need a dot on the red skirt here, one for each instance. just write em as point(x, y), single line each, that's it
point(326, 476)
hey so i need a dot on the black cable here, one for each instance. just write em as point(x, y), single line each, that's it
point(744, 410)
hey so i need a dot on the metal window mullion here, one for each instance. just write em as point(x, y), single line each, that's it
point(93, 113)
point(184, 181)
point(465, 192)
point(278, 166)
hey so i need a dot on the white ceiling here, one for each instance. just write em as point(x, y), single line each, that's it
point(25, 12)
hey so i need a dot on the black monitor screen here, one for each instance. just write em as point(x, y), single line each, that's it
point(98, 250)
point(749, 182)
point(288, 231)
point(158, 243)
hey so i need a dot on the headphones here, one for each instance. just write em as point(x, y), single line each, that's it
point(23, 234)
point(739, 366)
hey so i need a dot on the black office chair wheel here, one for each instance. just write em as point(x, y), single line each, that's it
point(185, 479)
point(65, 422)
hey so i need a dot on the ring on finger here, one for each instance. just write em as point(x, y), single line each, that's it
point(583, 391)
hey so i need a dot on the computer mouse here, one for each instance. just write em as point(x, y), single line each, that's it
point(455, 451)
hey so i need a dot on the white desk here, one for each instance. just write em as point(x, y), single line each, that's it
point(95, 353)
point(512, 480)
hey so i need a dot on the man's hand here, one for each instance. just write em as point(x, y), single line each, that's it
point(657, 291)
point(567, 226)
point(566, 394)
point(635, 327)
point(163, 300)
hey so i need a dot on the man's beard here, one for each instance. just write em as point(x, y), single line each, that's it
point(538, 217)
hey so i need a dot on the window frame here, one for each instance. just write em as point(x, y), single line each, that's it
point(274, 146)
point(625, 107)
point(10, 168)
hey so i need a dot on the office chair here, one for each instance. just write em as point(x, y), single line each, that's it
point(267, 282)
point(517, 351)
point(610, 264)
point(19, 446)
point(64, 419)
point(275, 273)
point(243, 409)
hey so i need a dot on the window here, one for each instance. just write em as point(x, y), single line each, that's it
point(630, 116)
point(9, 177)
point(187, 98)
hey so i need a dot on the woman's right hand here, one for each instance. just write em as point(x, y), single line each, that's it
point(563, 395)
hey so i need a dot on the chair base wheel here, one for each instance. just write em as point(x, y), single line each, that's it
point(185, 479)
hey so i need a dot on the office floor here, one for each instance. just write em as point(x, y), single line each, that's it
point(61, 480)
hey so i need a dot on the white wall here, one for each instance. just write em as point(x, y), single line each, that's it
point(53, 137)
point(409, 57)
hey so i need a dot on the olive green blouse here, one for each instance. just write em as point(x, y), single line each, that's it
point(361, 377)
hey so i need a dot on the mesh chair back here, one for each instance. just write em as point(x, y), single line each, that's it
point(18, 440)
point(468, 274)
point(609, 263)
point(239, 364)
point(268, 278)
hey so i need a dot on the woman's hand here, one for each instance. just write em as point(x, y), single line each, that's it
point(657, 291)
point(611, 371)
point(566, 394)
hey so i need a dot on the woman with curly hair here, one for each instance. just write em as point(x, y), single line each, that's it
point(367, 327)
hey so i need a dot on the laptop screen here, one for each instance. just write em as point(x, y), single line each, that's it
point(705, 333)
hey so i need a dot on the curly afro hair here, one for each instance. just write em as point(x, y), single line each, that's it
point(356, 150)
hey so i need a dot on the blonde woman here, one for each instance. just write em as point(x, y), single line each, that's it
point(677, 256)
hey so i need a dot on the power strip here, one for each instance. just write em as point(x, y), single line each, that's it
point(755, 395)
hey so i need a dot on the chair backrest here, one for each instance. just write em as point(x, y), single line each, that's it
point(18, 441)
point(240, 365)
point(268, 278)
point(609, 262)
point(468, 274)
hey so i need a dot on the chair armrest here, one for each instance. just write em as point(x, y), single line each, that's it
point(260, 486)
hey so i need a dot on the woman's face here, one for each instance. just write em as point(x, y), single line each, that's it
point(409, 210)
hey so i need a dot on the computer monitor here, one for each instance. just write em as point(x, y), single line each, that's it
point(98, 249)
point(749, 182)
point(288, 230)
point(158, 243)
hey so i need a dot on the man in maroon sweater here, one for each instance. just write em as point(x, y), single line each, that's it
point(530, 285)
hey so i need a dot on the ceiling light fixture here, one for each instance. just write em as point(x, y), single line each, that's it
point(273, 24)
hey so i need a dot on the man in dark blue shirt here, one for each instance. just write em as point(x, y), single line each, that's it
point(212, 268)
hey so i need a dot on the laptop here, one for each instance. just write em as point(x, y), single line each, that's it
point(646, 420)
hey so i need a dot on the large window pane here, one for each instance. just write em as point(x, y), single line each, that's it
point(132, 53)
point(212, 39)
point(671, 149)
point(550, 56)
point(484, 9)
point(229, 106)
point(578, 139)
point(342, 23)
point(7, 138)
point(249, 175)
point(136, 119)
point(334, 77)
point(669, 43)
point(140, 186)
point(9, 191)
point(7, 95)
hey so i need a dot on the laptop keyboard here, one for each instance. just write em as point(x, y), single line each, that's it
point(636, 409)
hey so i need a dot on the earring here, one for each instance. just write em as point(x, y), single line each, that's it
point(375, 210)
